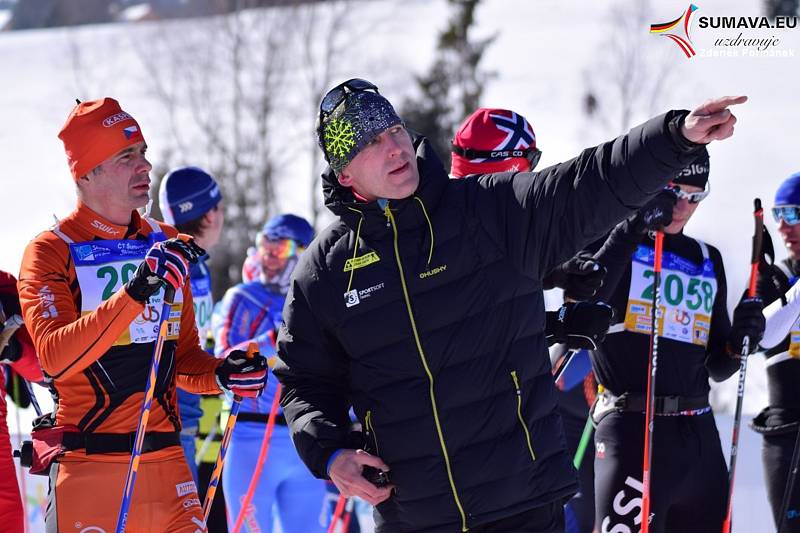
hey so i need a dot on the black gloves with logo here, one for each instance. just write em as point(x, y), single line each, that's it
point(166, 263)
point(580, 277)
point(655, 214)
point(579, 325)
point(749, 323)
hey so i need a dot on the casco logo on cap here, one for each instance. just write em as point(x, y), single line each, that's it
point(113, 119)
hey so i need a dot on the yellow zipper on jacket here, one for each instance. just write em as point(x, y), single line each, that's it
point(371, 431)
point(407, 298)
point(518, 390)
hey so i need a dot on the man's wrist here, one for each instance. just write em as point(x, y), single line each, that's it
point(675, 128)
point(331, 459)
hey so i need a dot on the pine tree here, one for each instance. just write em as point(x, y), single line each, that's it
point(452, 88)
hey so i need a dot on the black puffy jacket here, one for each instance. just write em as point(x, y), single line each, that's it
point(428, 319)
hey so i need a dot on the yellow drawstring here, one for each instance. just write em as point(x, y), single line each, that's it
point(430, 227)
point(355, 247)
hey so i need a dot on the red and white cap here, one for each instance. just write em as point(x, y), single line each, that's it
point(503, 139)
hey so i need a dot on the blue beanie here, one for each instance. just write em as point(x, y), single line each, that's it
point(289, 227)
point(186, 194)
point(789, 191)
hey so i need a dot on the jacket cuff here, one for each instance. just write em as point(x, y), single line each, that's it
point(331, 459)
point(674, 126)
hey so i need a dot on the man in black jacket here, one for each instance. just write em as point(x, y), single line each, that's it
point(421, 307)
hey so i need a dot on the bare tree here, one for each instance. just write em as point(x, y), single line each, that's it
point(627, 80)
point(218, 85)
point(322, 42)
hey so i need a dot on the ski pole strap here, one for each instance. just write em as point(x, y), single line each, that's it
point(119, 442)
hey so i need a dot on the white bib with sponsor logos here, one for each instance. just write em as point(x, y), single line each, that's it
point(203, 303)
point(104, 266)
point(687, 296)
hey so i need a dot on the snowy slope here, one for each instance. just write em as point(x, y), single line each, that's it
point(543, 53)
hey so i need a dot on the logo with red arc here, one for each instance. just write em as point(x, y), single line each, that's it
point(678, 30)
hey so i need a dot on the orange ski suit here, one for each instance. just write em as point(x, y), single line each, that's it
point(83, 325)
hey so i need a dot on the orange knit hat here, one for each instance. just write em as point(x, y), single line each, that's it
point(94, 131)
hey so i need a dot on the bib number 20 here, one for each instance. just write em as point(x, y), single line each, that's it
point(112, 277)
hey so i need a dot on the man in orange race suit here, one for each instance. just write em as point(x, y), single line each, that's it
point(91, 290)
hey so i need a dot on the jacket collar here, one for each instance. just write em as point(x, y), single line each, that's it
point(95, 226)
point(408, 212)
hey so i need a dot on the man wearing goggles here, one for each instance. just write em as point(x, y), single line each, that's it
point(251, 311)
point(696, 341)
point(778, 422)
point(421, 307)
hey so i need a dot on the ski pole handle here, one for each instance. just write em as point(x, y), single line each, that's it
point(758, 239)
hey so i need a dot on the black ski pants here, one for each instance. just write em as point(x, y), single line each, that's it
point(776, 455)
point(544, 519)
point(689, 478)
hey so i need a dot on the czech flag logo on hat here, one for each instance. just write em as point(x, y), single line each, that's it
point(130, 131)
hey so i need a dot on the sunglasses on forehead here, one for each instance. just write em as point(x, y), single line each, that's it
point(337, 95)
point(531, 154)
point(692, 197)
point(788, 213)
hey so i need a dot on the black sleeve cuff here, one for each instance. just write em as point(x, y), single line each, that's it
point(674, 127)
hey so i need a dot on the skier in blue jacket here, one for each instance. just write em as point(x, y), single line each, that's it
point(190, 200)
point(251, 311)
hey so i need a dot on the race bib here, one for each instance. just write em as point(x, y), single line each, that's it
point(203, 306)
point(104, 266)
point(687, 295)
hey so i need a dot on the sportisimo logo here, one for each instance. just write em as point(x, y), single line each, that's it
point(185, 206)
point(678, 30)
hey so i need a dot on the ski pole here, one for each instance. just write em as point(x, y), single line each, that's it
point(337, 512)
point(262, 459)
point(652, 366)
point(584, 443)
point(564, 363)
point(212, 433)
point(252, 348)
point(22, 482)
point(348, 514)
point(789, 488)
point(144, 415)
point(34, 401)
point(758, 215)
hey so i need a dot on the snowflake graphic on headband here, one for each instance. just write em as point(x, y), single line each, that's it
point(339, 138)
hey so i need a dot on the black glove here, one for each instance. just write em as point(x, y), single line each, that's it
point(579, 325)
point(655, 214)
point(243, 376)
point(580, 277)
point(166, 263)
point(748, 322)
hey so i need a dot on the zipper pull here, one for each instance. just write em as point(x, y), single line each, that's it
point(383, 203)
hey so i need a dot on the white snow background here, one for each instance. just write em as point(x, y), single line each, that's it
point(544, 52)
